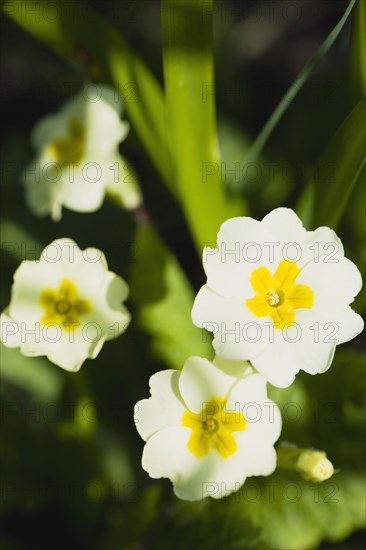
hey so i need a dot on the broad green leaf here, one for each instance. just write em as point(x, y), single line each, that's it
point(340, 167)
point(278, 512)
point(73, 30)
point(295, 88)
point(163, 300)
point(189, 84)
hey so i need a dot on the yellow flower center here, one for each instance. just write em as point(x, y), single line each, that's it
point(274, 297)
point(277, 295)
point(70, 149)
point(213, 428)
point(63, 307)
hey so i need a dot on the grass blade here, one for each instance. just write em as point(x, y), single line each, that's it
point(295, 88)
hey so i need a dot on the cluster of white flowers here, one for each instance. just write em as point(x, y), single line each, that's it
point(277, 301)
point(277, 296)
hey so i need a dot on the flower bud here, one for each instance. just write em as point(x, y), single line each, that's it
point(311, 464)
point(315, 466)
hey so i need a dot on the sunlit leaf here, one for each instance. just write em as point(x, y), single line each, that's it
point(189, 84)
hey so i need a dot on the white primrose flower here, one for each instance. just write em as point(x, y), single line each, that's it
point(278, 295)
point(208, 427)
point(65, 306)
point(77, 156)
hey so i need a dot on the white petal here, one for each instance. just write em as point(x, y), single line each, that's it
point(200, 381)
point(224, 476)
point(164, 408)
point(48, 129)
point(255, 456)
point(333, 324)
point(98, 108)
point(166, 455)
point(60, 253)
point(236, 369)
point(251, 388)
point(321, 245)
point(342, 325)
point(337, 282)
point(73, 349)
point(109, 312)
point(29, 280)
point(43, 187)
point(315, 347)
point(240, 250)
point(32, 338)
point(123, 186)
point(335, 286)
point(10, 334)
point(84, 189)
point(86, 268)
point(284, 227)
point(262, 416)
point(238, 333)
point(276, 363)
point(294, 349)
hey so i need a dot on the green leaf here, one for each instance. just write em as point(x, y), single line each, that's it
point(295, 88)
point(163, 299)
point(189, 84)
point(355, 224)
point(280, 511)
point(340, 167)
point(358, 51)
point(36, 375)
point(73, 30)
point(305, 204)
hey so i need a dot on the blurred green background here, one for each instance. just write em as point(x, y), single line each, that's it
point(70, 454)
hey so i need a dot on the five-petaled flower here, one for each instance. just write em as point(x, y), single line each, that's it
point(65, 306)
point(278, 295)
point(208, 427)
point(77, 158)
